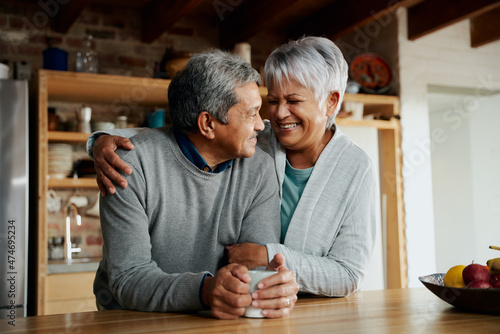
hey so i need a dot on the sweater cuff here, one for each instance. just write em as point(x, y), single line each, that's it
point(272, 250)
point(200, 292)
point(90, 145)
point(91, 141)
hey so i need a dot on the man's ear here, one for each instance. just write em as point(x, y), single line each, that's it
point(331, 103)
point(206, 125)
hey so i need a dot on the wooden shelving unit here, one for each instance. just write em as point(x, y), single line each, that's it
point(57, 86)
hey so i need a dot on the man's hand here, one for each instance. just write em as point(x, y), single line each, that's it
point(227, 293)
point(248, 254)
point(277, 294)
point(105, 161)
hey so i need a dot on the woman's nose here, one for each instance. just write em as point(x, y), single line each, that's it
point(282, 111)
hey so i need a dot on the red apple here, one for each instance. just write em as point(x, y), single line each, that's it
point(495, 281)
point(475, 272)
point(479, 285)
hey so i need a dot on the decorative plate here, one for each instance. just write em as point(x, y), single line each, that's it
point(472, 300)
point(371, 72)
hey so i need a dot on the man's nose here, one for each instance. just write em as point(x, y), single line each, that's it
point(259, 125)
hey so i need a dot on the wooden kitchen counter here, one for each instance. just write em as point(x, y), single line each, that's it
point(414, 310)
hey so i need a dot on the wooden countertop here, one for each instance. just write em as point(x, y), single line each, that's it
point(414, 310)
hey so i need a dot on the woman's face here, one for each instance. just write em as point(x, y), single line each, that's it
point(296, 117)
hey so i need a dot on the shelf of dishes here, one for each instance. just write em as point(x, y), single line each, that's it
point(69, 165)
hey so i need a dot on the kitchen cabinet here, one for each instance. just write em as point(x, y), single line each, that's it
point(71, 292)
point(67, 292)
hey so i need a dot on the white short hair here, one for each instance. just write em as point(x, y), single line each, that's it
point(315, 63)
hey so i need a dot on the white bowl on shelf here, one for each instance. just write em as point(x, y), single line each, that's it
point(352, 87)
point(60, 160)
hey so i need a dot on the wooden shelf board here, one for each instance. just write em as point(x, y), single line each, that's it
point(379, 124)
point(72, 183)
point(67, 136)
point(120, 90)
point(372, 99)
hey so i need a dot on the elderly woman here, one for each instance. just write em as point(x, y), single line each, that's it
point(327, 183)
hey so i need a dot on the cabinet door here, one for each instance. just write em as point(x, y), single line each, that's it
point(68, 293)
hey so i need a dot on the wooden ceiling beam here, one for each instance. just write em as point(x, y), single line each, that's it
point(430, 16)
point(485, 28)
point(251, 17)
point(160, 15)
point(344, 15)
point(66, 15)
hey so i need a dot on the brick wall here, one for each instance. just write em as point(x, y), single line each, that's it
point(89, 233)
point(25, 26)
point(380, 37)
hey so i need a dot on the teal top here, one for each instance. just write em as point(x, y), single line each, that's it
point(293, 186)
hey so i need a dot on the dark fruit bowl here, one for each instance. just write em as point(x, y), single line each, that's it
point(472, 300)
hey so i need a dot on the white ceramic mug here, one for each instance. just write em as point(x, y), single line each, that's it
point(256, 276)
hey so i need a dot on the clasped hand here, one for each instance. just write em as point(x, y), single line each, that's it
point(227, 293)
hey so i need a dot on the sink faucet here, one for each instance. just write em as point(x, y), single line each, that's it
point(68, 250)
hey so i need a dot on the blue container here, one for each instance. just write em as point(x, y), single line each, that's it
point(55, 59)
point(156, 119)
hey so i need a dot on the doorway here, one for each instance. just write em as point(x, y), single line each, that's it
point(465, 160)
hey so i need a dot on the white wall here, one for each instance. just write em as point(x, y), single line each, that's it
point(443, 58)
point(452, 182)
point(466, 178)
point(485, 159)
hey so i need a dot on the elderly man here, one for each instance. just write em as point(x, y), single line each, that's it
point(195, 187)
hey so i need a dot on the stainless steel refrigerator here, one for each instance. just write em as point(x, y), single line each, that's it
point(14, 194)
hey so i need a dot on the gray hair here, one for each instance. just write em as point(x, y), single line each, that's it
point(207, 83)
point(316, 63)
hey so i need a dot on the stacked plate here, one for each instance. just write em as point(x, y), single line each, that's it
point(60, 160)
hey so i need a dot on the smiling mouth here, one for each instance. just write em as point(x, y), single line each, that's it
point(289, 126)
point(253, 138)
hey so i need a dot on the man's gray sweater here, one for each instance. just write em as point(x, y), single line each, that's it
point(171, 224)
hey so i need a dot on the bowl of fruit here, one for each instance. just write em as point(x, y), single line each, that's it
point(474, 287)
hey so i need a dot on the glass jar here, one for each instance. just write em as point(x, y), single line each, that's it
point(87, 59)
point(121, 122)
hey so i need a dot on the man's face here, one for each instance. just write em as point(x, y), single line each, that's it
point(237, 138)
